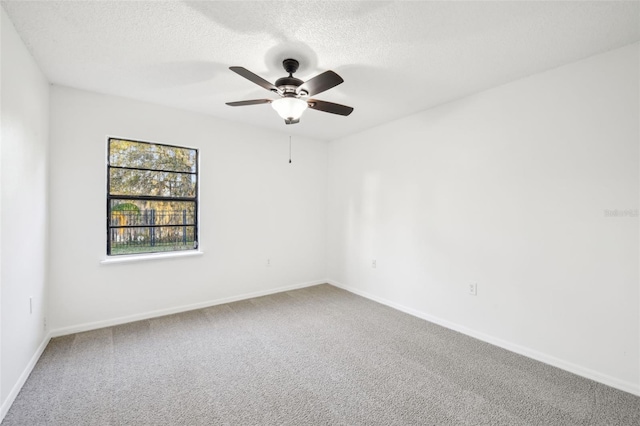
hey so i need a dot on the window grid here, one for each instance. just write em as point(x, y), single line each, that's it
point(134, 226)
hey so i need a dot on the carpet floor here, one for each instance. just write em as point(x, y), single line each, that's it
point(314, 356)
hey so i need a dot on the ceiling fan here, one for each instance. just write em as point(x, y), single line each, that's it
point(294, 93)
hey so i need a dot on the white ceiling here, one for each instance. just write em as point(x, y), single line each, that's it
point(396, 58)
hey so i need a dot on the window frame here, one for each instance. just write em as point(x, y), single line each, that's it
point(109, 197)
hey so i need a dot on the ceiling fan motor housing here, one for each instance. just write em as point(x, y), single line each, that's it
point(289, 85)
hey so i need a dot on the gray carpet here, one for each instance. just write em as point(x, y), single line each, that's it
point(315, 356)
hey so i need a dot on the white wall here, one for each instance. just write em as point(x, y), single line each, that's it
point(507, 188)
point(23, 211)
point(254, 206)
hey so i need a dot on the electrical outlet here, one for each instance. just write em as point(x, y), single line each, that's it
point(373, 263)
point(473, 289)
point(268, 262)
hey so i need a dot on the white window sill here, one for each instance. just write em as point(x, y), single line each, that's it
point(127, 258)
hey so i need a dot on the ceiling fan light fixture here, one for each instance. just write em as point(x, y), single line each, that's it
point(289, 108)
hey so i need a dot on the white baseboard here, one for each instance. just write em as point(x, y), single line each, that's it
point(174, 310)
point(6, 404)
point(530, 353)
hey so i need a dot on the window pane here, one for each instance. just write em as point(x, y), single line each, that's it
point(151, 156)
point(150, 183)
point(152, 239)
point(143, 213)
point(147, 186)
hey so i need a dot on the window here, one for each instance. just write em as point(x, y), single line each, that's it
point(152, 197)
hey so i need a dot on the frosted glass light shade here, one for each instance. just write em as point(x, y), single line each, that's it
point(289, 108)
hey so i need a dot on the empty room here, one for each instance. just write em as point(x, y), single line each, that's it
point(320, 213)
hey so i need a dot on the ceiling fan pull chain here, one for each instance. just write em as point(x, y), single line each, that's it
point(289, 149)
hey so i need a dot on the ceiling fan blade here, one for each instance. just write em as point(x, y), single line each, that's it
point(329, 107)
point(251, 102)
point(254, 78)
point(320, 83)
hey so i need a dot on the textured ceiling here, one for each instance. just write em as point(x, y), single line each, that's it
point(396, 58)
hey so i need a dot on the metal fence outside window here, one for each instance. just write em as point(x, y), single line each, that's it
point(150, 230)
